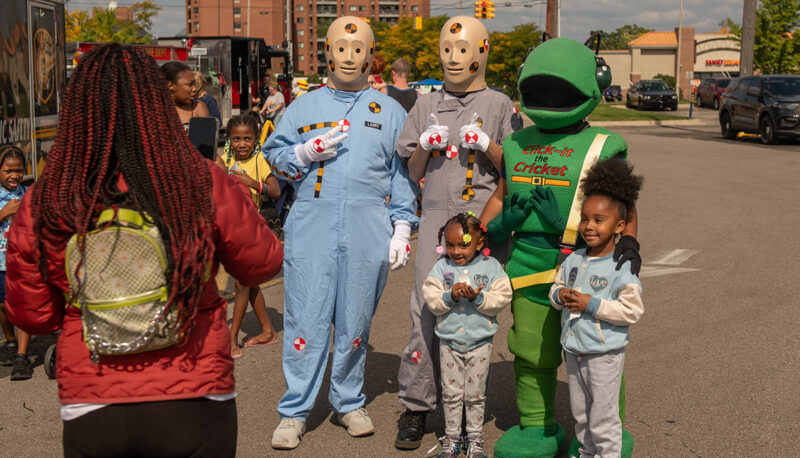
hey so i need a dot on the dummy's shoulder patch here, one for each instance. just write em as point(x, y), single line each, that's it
point(483, 46)
point(375, 107)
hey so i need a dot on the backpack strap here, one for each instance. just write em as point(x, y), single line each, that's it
point(124, 217)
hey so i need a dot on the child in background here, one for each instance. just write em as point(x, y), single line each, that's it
point(14, 351)
point(598, 304)
point(243, 160)
point(466, 289)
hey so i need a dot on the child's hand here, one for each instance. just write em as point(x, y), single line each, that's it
point(10, 209)
point(470, 293)
point(562, 295)
point(245, 179)
point(458, 291)
point(575, 301)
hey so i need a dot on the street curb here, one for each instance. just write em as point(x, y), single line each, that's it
point(655, 122)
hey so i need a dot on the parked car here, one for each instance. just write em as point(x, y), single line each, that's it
point(768, 105)
point(710, 91)
point(651, 94)
point(613, 93)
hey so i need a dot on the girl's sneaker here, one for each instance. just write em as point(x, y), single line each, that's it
point(451, 446)
point(473, 444)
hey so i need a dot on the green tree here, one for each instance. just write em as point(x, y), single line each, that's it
point(620, 38)
point(669, 79)
point(419, 47)
point(777, 40)
point(507, 52)
point(104, 26)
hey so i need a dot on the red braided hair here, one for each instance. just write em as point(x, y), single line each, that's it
point(118, 117)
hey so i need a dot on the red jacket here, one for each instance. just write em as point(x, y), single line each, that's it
point(244, 244)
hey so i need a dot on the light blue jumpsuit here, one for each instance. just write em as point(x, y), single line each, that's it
point(337, 236)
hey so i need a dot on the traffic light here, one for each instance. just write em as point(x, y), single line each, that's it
point(484, 9)
point(479, 9)
point(489, 10)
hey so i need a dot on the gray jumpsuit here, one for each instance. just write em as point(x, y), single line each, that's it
point(443, 198)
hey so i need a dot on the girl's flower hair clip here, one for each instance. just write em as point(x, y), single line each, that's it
point(440, 249)
point(467, 238)
point(486, 252)
point(483, 227)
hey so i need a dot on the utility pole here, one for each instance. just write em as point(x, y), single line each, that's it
point(748, 37)
point(550, 26)
point(678, 57)
point(248, 18)
point(289, 35)
point(219, 11)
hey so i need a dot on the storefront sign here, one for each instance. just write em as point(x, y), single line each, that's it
point(722, 62)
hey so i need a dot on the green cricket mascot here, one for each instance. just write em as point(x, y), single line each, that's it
point(561, 83)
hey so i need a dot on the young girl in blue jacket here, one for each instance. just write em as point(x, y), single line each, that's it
point(598, 304)
point(466, 289)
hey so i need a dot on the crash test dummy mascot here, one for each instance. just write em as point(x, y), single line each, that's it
point(452, 139)
point(560, 84)
point(336, 145)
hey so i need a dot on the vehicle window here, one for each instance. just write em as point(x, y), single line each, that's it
point(753, 88)
point(723, 83)
point(707, 81)
point(782, 87)
point(741, 89)
point(654, 87)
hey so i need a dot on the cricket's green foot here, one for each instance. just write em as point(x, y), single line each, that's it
point(627, 445)
point(530, 442)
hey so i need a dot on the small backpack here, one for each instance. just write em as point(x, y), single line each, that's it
point(120, 285)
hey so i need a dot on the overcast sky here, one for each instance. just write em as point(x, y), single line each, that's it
point(577, 16)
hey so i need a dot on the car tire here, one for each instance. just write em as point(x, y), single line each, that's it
point(699, 101)
point(674, 108)
point(767, 131)
point(627, 103)
point(726, 126)
point(716, 103)
point(639, 105)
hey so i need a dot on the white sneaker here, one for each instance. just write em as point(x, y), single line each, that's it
point(358, 422)
point(288, 433)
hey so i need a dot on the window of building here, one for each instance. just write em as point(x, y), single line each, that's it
point(300, 33)
point(237, 26)
point(415, 8)
point(300, 20)
point(196, 26)
point(237, 11)
point(362, 8)
point(195, 10)
point(301, 57)
point(300, 7)
point(301, 45)
point(352, 8)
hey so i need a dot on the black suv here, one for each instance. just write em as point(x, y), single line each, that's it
point(651, 94)
point(768, 105)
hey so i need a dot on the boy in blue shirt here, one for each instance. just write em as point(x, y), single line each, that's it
point(598, 304)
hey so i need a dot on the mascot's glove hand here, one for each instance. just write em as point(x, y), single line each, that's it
point(515, 211)
point(473, 137)
point(435, 137)
point(399, 249)
point(319, 148)
point(627, 249)
point(546, 205)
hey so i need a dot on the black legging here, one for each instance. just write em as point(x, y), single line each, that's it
point(184, 428)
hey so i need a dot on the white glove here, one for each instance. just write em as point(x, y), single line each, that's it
point(473, 137)
point(319, 148)
point(399, 249)
point(435, 137)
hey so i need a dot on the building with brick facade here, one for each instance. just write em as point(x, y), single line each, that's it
point(267, 19)
point(702, 55)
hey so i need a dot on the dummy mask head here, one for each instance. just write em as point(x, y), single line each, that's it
point(349, 48)
point(463, 53)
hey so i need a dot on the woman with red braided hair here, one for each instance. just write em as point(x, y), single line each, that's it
point(120, 145)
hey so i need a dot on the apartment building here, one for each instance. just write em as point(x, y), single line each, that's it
point(267, 19)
